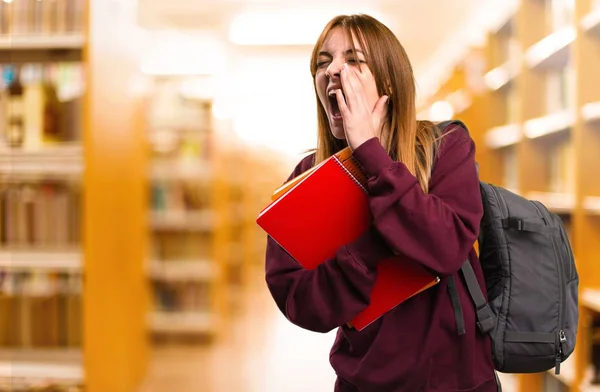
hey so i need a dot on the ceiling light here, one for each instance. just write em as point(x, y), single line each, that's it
point(175, 53)
point(441, 111)
point(288, 27)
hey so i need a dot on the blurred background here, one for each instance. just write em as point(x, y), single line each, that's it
point(139, 140)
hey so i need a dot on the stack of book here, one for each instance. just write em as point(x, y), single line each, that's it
point(307, 219)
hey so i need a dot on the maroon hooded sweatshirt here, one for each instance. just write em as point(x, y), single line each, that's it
point(415, 347)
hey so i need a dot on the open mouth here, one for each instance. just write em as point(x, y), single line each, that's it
point(336, 114)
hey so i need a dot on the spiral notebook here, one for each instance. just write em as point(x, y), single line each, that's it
point(326, 207)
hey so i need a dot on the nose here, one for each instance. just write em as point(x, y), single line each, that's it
point(334, 69)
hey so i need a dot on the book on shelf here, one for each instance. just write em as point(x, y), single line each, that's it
point(40, 310)
point(560, 89)
point(179, 196)
point(40, 104)
point(511, 168)
point(41, 215)
point(182, 296)
point(512, 104)
point(308, 220)
point(561, 169)
point(41, 18)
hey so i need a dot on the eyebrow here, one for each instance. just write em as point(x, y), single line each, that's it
point(349, 51)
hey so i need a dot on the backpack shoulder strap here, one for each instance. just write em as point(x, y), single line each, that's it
point(485, 317)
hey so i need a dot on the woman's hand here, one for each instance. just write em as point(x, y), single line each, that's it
point(362, 121)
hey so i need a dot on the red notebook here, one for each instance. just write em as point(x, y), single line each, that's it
point(315, 214)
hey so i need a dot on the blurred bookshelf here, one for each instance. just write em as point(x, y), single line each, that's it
point(41, 165)
point(59, 249)
point(201, 212)
point(206, 187)
point(185, 267)
point(537, 130)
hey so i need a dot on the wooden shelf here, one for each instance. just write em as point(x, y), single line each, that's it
point(50, 261)
point(553, 51)
point(561, 203)
point(548, 149)
point(184, 220)
point(590, 23)
point(178, 126)
point(460, 100)
point(197, 189)
point(503, 136)
point(590, 298)
point(590, 112)
point(591, 205)
point(41, 48)
point(183, 322)
point(196, 169)
point(549, 124)
point(61, 160)
point(45, 42)
point(109, 208)
point(502, 76)
point(31, 367)
point(174, 270)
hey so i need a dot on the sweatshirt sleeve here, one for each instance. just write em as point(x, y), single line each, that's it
point(437, 229)
point(330, 295)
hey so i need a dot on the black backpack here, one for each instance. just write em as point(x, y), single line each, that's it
point(532, 310)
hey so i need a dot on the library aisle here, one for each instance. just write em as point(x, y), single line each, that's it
point(263, 352)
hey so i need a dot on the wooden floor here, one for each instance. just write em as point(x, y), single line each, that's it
point(264, 353)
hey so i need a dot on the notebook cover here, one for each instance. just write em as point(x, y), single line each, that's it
point(325, 201)
point(332, 199)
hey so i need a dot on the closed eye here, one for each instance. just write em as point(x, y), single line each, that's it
point(356, 61)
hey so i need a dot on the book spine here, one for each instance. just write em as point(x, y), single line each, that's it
point(351, 167)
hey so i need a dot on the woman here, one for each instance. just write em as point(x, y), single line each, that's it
point(425, 199)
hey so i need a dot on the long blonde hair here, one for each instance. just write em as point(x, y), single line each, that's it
point(409, 141)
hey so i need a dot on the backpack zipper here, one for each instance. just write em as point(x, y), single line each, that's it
point(561, 338)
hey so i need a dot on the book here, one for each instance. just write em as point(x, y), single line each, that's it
point(314, 214)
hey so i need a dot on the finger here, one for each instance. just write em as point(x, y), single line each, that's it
point(380, 112)
point(360, 72)
point(342, 103)
point(380, 105)
point(353, 78)
point(349, 86)
point(356, 81)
